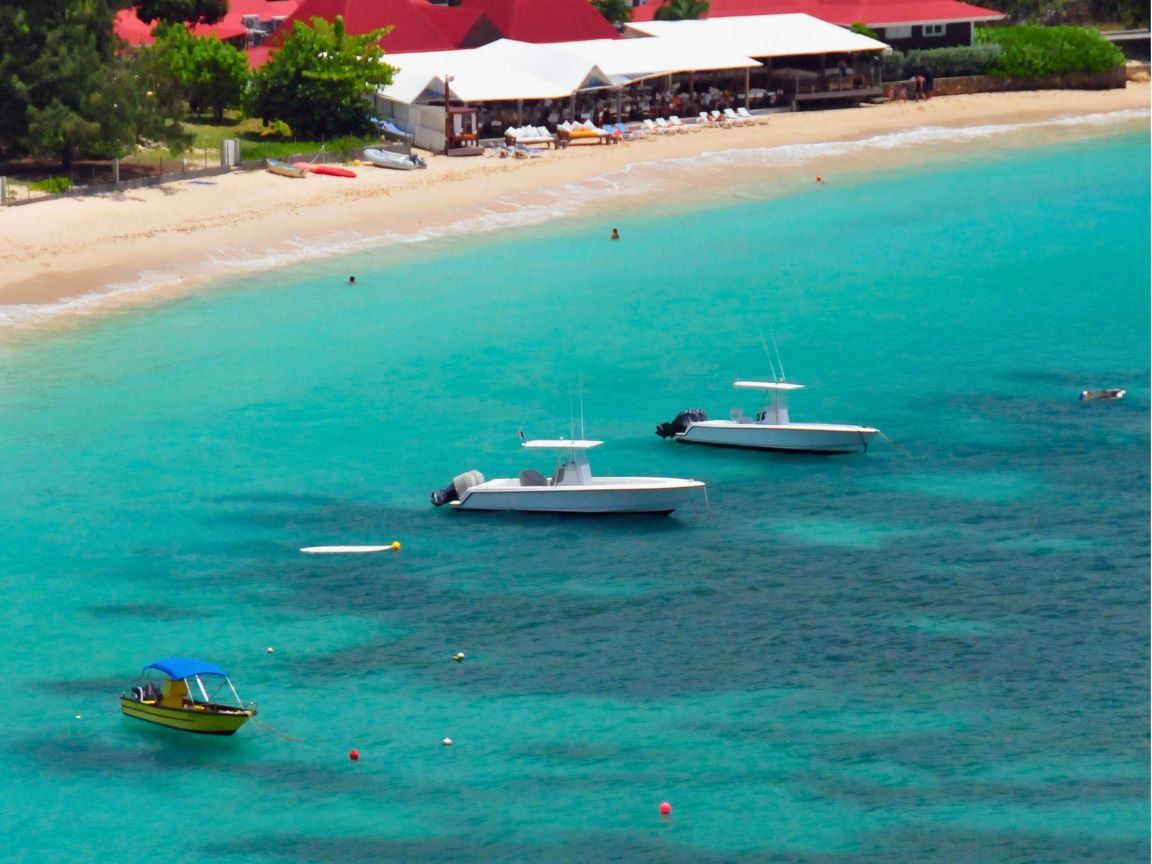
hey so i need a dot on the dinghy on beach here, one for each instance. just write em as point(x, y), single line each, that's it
point(284, 169)
point(397, 161)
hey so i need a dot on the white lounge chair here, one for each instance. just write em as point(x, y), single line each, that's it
point(735, 119)
point(706, 119)
point(758, 119)
point(666, 127)
point(681, 126)
point(720, 120)
point(652, 128)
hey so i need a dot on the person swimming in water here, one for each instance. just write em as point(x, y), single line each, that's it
point(615, 234)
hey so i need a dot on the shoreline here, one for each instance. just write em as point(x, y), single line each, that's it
point(82, 254)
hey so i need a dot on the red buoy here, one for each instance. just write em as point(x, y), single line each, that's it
point(665, 808)
point(353, 755)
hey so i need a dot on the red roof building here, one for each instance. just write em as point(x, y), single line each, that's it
point(903, 24)
point(248, 23)
point(417, 25)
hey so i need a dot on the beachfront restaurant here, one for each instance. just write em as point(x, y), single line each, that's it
point(759, 63)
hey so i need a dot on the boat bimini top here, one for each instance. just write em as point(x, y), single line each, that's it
point(560, 444)
point(767, 385)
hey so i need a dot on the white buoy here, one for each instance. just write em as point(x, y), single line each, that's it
point(269, 649)
point(447, 742)
point(458, 656)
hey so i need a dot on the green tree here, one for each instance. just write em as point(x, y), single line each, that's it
point(681, 10)
point(65, 87)
point(615, 12)
point(201, 70)
point(318, 79)
point(192, 11)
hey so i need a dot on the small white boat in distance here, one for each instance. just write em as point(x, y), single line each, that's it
point(1095, 395)
point(571, 489)
point(771, 429)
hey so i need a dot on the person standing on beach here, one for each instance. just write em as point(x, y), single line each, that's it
point(929, 82)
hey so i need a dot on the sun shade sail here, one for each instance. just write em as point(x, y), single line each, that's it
point(762, 35)
point(184, 667)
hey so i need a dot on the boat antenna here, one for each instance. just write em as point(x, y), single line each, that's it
point(775, 348)
point(580, 379)
point(767, 353)
point(571, 416)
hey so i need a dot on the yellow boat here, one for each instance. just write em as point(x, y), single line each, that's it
point(182, 693)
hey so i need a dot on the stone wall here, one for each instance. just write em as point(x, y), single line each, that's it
point(1114, 79)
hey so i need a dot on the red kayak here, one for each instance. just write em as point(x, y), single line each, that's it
point(330, 170)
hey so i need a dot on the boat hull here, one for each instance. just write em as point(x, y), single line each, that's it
point(199, 721)
point(817, 438)
point(602, 497)
point(285, 170)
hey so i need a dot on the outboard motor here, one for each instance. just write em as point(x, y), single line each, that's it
point(460, 484)
point(680, 422)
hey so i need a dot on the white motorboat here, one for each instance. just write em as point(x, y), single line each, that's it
point(770, 429)
point(397, 161)
point(570, 489)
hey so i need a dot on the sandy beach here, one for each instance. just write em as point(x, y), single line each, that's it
point(73, 247)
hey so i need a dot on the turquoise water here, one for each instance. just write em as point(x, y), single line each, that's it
point(934, 652)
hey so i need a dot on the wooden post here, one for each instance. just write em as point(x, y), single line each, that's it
point(747, 86)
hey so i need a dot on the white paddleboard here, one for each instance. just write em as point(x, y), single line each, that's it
point(344, 550)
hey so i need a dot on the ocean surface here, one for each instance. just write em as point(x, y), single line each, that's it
point(934, 652)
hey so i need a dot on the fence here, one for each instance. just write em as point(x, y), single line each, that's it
point(184, 173)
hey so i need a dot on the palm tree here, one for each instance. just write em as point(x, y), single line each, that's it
point(615, 12)
point(681, 10)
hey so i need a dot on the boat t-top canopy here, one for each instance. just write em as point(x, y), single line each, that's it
point(767, 385)
point(184, 667)
point(561, 444)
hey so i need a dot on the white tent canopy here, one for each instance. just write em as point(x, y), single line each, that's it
point(508, 70)
point(627, 60)
point(761, 35)
point(501, 70)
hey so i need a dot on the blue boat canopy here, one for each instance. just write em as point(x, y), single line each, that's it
point(184, 667)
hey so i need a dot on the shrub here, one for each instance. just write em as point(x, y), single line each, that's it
point(1032, 51)
point(952, 62)
point(55, 185)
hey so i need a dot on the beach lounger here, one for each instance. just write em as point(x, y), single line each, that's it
point(625, 133)
point(758, 119)
point(681, 126)
point(720, 120)
point(529, 136)
point(666, 127)
point(706, 119)
point(651, 128)
point(735, 119)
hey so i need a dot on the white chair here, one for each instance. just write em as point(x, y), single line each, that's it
point(651, 127)
point(706, 119)
point(720, 120)
point(758, 119)
point(680, 126)
point(734, 118)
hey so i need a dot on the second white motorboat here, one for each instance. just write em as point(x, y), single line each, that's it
point(770, 429)
point(570, 489)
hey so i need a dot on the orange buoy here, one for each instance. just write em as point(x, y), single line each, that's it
point(665, 808)
point(353, 755)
